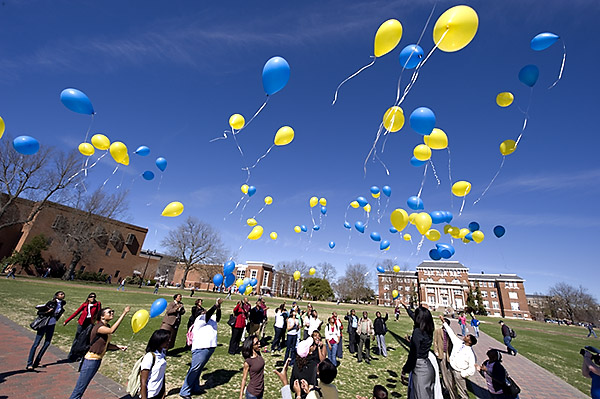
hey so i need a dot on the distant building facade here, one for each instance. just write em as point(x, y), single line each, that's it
point(445, 284)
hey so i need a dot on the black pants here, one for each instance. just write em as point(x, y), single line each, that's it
point(364, 342)
point(352, 339)
point(81, 343)
point(276, 341)
point(234, 342)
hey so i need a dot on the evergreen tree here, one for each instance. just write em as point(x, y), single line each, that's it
point(31, 254)
point(471, 305)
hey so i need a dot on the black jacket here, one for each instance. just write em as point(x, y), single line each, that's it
point(257, 315)
point(498, 375)
point(50, 307)
point(349, 318)
point(379, 325)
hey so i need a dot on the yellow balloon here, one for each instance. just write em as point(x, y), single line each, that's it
point(433, 235)
point(411, 217)
point(312, 271)
point(251, 222)
point(237, 121)
point(461, 188)
point(423, 222)
point(396, 268)
point(284, 136)
point(454, 232)
point(393, 119)
point(422, 152)
point(139, 320)
point(100, 141)
point(244, 188)
point(256, 233)
point(239, 282)
point(297, 229)
point(249, 289)
point(85, 148)
point(297, 275)
point(125, 160)
point(118, 151)
point(323, 201)
point(273, 235)
point(504, 99)
point(437, 140)
point(375, 195)
point(465, 240)
point(367, 208)
point(478, 236)
point(268, 200)
point(173, 209)
point(463, 232)
point(407, 237)
point(455, 28)
point(2, 127)
point(313, 202)
point(507, 147)
point(447, 228)
point(387, 37)
point(354, 204)
point(395, 294)
point(399, 219)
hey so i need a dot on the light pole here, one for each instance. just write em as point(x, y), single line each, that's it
point(148, 253)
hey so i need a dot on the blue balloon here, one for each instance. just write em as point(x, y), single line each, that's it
point(374, 190)
point(161, 163)
point(434, 254)
point(218, 279)
point(385, 244)
point(449, 216)
point(360, 226)
point(375, 236)
point(76, 101)
point(253, 282)
point(422, 120)
point(417, 162)
point(26, 145)
point(246, 281)
point(303, 228)
point(142, 150)
point(499, 231)
point(362, 201)
point(415, 203)
point(445, 250)
point(469, 236)
point(251, 191)
point(323, 210)
point(228, 267)
point(410, 56)
point(316, 227)
point(242, 288)
point(529, 74)
point(437, 217)
point(158, 307)
point(380, 269)
point(229, 279)
point(393, 230)
point(275, 75)
point(347, 225)
point(387, 190)
point(473, 226)
point(148, 175)
point(543, 41)
point(331, 244)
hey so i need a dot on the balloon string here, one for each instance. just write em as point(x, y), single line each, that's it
point(562, 65)
point(492, 182)
point(387, 171)
point(105, 181)
point(423, 181)
point(387, 202)
point(89, 128)
point(526, 112)
point(258, 160)
point(121, 182)
point(244, 208)
point(420, 244)
point(352, 76)
point(373, 148)
point(450, 177)
point(261, 209)
point(253, 116)
point(462, 206)
point(434, 172)
point(378, 208)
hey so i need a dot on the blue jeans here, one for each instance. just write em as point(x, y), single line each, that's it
point(464, 329)
point(48, 331)
point(509, 347)
point(192, 379)
point(592, 332)
point(276, 341)
point(331, 353)
point(290, 348)
point(89, 368)
point(250, 396)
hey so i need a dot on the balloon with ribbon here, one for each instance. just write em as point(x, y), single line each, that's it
point(422, 120)
point(229, 279)
point(360, 226)
point(100, 141)
point(161, 163)
point(275, 75)
point(86, 149)
point(387, 191)
point(297, 275)
point(380, 269)
point(312, 271)
point(148, 175)
point(383, 245)
point(504, 99)
point(2, 127)
point(273, 235)
point(142, 150)
point(529, 74)
point(256, 233)
point(139, 320)
point(158, 307)
point(415, 203)
point(331, 244)
point(410, 56)
point(455, 28)
point(375, 236)
point(76, 101)
point(228, 267)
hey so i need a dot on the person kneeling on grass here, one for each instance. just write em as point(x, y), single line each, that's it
point(154, 366)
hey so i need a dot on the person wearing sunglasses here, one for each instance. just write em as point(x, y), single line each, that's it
point(88, 311)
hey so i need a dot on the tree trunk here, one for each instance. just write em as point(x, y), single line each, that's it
point(185, 274)
point(71, 269)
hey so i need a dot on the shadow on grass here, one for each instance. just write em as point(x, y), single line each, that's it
point(401, 340)
point(479, 392)
point(218, 377)
point(177, 352)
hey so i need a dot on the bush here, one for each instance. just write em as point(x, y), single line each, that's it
point(90, 276)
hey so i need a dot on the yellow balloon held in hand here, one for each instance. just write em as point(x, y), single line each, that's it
point(85, 148)
point(396, 268)
point(118, 151)
point(507, 147)
point(284, 136)
point(323, 201)
point(393, 119)
point(387, 37)
point(312, 271)
point(437, 140)
point(478, 236)
point(236, 121)
point(297, 275)
point(297, 229)
point(256, 233)
point(139, 320)
point(100, 141)
point(461, 188)
point(422, 152)
point(505, 99)
point(268, 200)
point(399, 219)
point(273, 235)
point(455, 28)
point(354, 204)
point(173, 209)
point(244, 188)
point(251, 222)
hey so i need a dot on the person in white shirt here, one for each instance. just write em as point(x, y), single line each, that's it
point(278, 326)
point(154, 366)
point(332, 337)
point(462, 361)
point(314, 323)
point(204, 343)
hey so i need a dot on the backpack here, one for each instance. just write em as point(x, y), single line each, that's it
point(134, 381)
point(512, 333)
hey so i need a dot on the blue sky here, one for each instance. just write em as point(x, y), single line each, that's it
point(169, 77)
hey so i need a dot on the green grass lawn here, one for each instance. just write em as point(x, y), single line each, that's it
point(223, 373)
point(553, 347)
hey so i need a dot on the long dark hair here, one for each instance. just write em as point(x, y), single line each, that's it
point(248, 346)
point(424, 320)
point(158, 338)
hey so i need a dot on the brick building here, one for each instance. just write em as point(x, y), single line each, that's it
point(446, 284)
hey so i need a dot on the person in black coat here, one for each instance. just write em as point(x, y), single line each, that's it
point(380, 330)
point(51, 311)
point(494, 373)
point(352, 326)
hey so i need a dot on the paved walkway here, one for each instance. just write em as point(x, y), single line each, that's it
point(54, 380)
point(534, 381)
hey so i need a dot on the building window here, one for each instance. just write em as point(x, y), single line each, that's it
point(430, 290)
point(123, 254)
point(513, 295)
point(117, 273)
point(484, 294)
point(386, 287)
point(386, 296)
point(108, 251)
point(515, 306)
point(265, 282)
point(406, 288)
point(457, 292)
point(253, 273)
point(431, 299)
point(445, 301)
point(455, 281)
point(444, 291)
point(240, 273)
point(486, 304)
point(493, 294)
point(495, 305)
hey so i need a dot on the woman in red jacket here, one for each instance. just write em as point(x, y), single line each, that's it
point(81, 343)
point(241, 314)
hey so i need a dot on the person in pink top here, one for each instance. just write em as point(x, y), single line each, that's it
point(462, 320)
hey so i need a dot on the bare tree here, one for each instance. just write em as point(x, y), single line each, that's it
point(194, 244)
point(326, 271)
point(285, 271)
point(40, 177)
point(289, 267)
point(355, 284)
point(572, 303)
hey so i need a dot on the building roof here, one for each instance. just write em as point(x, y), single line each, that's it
point(441, 264)
point(401, 273)
point(495, 277)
